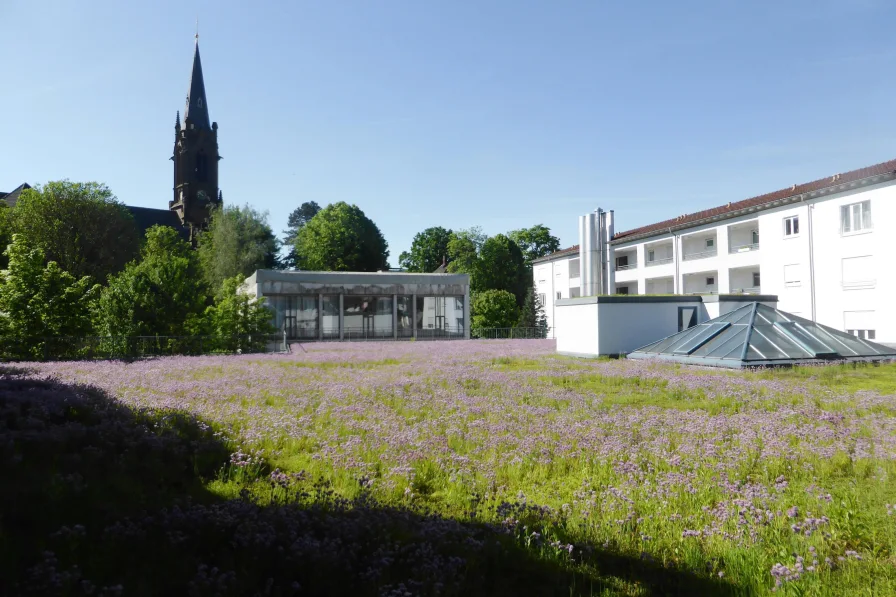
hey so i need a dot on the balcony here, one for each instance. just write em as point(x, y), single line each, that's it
point(621, 267)
point(744, 248)
point(750, 290)
point(700, 255)
point(663, 261)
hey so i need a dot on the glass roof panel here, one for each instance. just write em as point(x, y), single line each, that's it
point(709, 331)
point(721, 345)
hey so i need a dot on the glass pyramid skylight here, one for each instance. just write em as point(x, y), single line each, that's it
point(757, 335)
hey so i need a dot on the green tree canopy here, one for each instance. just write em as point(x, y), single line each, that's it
point(494, 309)
point(532, 314)
point(341, 238)
point(238, 242)
point(427, 250)
point(535, 242)
point(501, 266)
point(80, 226)
point(40, 299)
point(297, 219)
point(236, 314)
point(162, 293)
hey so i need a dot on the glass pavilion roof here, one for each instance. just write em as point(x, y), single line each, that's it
point(757, 335)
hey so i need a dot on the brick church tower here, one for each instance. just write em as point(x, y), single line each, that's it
point(195, 157)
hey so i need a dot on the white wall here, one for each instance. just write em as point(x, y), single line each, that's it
point(576, 329)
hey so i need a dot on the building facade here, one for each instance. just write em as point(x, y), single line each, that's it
point(820, 247)
point(365, 306)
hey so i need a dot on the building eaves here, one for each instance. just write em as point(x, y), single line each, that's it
point(557, 254)
point(836, 183)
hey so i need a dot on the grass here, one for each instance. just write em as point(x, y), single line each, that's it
point(463, 468)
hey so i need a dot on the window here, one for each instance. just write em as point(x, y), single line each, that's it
point(201, 168)
point(858, 272)
point(791, 275)
point(855, 217)
point(574, 268)
point(755, 237)
point(792, 226)
point(863, 334)
point(710, 280)
point(651, 255)
point(558, 296)
point(575, 292)
point(622, 290)
point(622, 262)
point(710, 243)
point(756, 280)
point(542, 299)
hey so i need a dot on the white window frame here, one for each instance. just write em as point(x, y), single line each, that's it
point(757, 280)
point(710, 243)
point(791, 220)
point(651, 255)
point(849, 211)
point(710, 283)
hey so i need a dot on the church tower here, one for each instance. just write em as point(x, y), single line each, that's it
point(195, 157)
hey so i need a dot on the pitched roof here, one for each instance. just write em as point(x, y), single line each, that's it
point(556, 254)
point(147, 217)
point(734, 208)
point(197, 104)
point(13, 196)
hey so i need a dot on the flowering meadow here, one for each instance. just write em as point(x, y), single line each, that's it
point(445, 468)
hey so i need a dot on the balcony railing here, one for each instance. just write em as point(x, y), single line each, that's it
point(620, 268)
point(750, 290)
point(700, 255)
point(744, 248)
point(662, 261)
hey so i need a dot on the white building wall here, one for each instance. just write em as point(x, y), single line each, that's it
point(806, 287)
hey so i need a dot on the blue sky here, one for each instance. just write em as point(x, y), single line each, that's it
point(502, 113)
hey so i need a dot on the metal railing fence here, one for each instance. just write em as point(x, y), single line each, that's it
point(519, 333)
point(62, 348)
point(700, 255)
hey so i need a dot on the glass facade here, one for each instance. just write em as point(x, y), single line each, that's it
point(405, 316)
point(439, 316)
point(295, 315)
point(312, 317)
point(330, 308)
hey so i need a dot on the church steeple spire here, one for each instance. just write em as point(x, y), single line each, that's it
point(196, 112)
point(195, 157)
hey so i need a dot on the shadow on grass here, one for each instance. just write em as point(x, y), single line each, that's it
point(99, 499)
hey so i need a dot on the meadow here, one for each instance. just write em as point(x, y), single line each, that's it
point(445, 468)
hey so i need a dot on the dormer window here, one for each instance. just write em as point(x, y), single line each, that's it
point(199, 102)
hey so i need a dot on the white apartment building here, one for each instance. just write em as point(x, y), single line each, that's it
point(824, 248)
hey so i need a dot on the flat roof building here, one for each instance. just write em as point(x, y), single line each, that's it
point(365, 305)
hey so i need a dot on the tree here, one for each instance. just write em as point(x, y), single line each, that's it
point(238, 242)
point(39, 300)
point(236, 316)
point(494, 309)
point(80, 226)
point(501, 266)
point(341, 238)
point(535, 242)
point(532, 314)
point(428, 250)
point(162, 293)
point(297, 219)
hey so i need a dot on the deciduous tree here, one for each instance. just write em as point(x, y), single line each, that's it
point(80, 226)
point(494, 309)
point(238, 242)
point(535, 242)
point(428, 250)
point(162, 293)
point(297, 219)
point(39, 300)
point(341, 238)
point(501, 266)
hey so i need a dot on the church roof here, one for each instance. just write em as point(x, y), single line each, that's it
point(147, 217)
point(196, 111)
point(13, 196)
point(757, 335)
